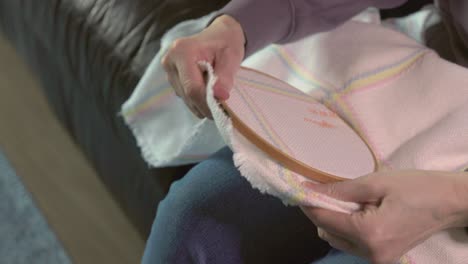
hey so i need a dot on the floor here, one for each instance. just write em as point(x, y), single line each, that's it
point(86, 219)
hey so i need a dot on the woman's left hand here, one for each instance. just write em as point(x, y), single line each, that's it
point(400, 210)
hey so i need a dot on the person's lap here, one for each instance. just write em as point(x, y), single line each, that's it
point(213, 215)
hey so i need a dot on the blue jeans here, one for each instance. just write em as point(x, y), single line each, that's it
point(213, 215)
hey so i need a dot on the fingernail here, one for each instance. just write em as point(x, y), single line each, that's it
point(320, 233)
point(308, 184)
point(220, 93)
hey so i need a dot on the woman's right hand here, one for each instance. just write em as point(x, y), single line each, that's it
point(222, 45)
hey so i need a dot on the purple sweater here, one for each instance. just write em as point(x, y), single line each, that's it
point(280, 21)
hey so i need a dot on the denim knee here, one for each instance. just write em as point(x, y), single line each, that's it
point(213, 215)
point(187, 228)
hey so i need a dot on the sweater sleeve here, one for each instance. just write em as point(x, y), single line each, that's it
point(281, 21)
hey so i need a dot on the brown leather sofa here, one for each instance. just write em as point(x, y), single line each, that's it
point(89, 56)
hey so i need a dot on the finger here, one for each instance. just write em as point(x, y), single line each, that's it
point(193, 83)
point(174, 84)
point(226, 65)
point(361, 190)
point(339, 223)
point(171, 74)
point(174, 79)
point(195, 110)
point(166, 62)
point(338, 242)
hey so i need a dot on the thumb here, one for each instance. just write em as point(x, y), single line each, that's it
point(226, 65)
point(360, 190)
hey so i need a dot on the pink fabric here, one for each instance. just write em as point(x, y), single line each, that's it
point(298, 126)
point(410, 105)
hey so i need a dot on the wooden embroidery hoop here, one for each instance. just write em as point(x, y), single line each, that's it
point(283, 158)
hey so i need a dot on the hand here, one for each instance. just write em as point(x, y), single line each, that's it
point(222, 45)
point(400, 210)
